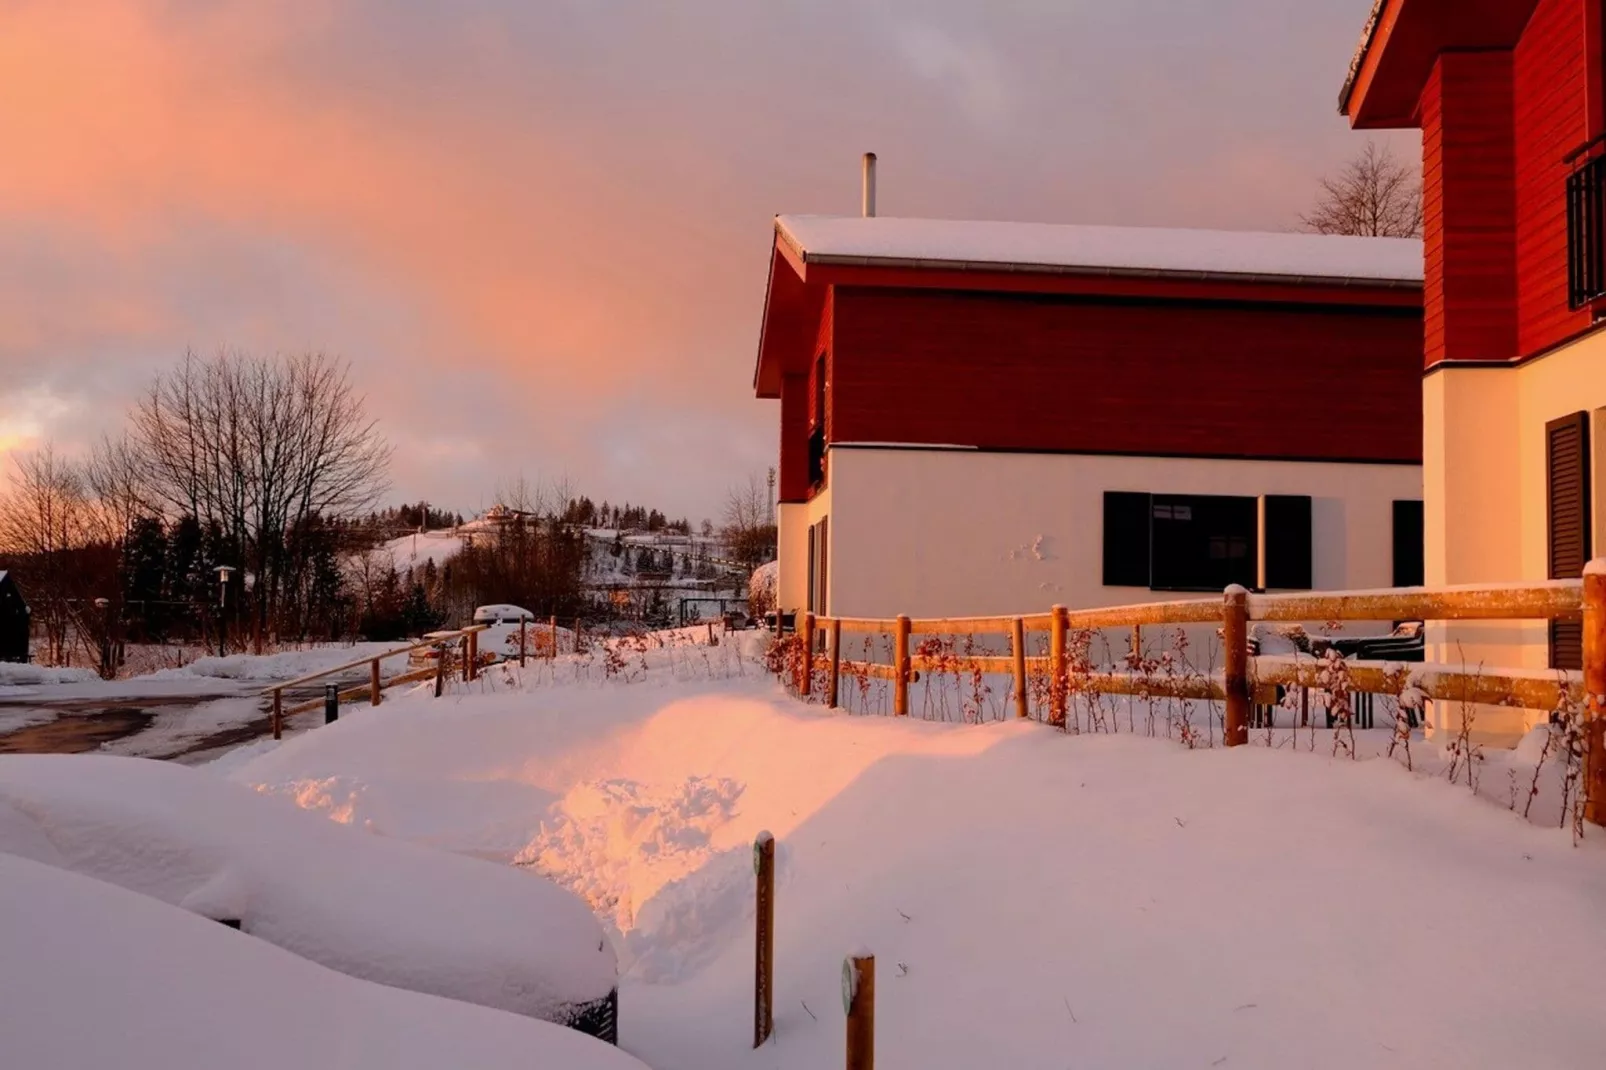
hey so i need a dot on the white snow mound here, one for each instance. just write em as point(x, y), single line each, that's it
point(380, 909)
point(97, 976)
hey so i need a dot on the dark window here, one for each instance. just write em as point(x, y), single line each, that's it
point(812, 577)
point(1202, 542)
point(1409, 570)
point(1288, 542)
point(1567, 494)
point(1126, 539)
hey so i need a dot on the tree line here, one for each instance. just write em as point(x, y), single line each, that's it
point(241, 502)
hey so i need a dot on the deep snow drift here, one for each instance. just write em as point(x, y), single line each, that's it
point(372, 907)
point(96, 977)
point(1033, 899)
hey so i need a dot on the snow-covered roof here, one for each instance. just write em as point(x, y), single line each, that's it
point(1092, 250)
point(1368, 33)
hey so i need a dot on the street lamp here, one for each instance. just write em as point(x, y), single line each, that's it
point(223, 574)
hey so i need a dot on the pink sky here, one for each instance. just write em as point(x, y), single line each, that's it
point(539, 231)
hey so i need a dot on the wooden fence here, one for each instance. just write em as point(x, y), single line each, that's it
point(442, 642)
point(1246, 679)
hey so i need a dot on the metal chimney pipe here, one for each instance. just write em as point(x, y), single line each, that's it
point(869, 185)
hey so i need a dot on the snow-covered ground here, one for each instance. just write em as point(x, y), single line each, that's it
point(286, 665)
point(96, 976)
point(1033, 898)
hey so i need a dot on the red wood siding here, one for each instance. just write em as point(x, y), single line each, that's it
point(1058, 373)
point(822, 344)
point(1469, 210)
point(1551, 81)
point(794, 475)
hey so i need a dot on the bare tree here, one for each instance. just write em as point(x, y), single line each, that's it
point(259, 447)
point(749, 532)
point(47, 531)
point(1375, 195)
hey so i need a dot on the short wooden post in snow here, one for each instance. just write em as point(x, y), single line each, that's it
point(858, 1000)
point(764, 940)
point(473, 663)
point(1235, 637)
point(553, 652)
point(1595, 691)
point(1137, 643)
point(278, 712)
point(836, 663)
point(1017, 642)
point(1059, 684)
point(524, 631)
point(805, 671)
point(440, 669)
point(900, 667)
point(374, 697)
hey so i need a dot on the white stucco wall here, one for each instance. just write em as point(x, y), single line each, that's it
point(1484, 479)
point(961, 532)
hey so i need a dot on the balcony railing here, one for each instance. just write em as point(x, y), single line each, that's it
point(1586, 231)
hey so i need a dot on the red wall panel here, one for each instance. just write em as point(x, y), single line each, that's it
point(1469, 209)
point(1059, 373)
point(1551, 87)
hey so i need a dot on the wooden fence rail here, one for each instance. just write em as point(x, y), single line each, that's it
point(1246, 681)
point(374, 689)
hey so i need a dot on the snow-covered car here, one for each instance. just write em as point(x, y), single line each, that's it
point(502, 614)
point(355, 901)
point(99, 976)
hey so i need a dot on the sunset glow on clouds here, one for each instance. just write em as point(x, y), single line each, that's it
point(540, 230)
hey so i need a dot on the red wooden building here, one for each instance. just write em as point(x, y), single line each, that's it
point(995, 417)
point(1511, 101)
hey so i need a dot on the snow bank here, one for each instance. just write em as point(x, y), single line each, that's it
point(271, 668)
point(365, 905)
point(13, 674)
point(415, 551)
point(1135, 249)
point(97, 977)
point(1033, 898)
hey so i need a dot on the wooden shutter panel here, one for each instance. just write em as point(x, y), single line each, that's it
point(813, 533)
point(1409, 567)
point(1126, 539)
point(1567, 509)
point(1288, 542)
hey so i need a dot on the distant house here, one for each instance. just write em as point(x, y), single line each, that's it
point(1508, 96)
point(985, 418)
point(13, 621)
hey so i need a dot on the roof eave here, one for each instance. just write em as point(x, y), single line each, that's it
point(1084, 271)
point(1358, 60)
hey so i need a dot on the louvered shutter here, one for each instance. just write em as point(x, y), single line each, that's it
point(1126, 539)
point(1567, 509)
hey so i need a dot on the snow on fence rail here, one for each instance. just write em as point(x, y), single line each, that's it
point(1246, 683)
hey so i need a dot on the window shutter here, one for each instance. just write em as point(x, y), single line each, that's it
point(1567, 508)
point(812, 559)
point(1409, 567)
point(1126, 539)
point(1288, 542)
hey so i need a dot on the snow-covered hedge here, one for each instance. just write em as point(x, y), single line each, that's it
point(98, 976)
point(763, 588)
point(366, 905)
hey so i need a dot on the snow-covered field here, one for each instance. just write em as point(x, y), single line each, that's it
point(1033, 898)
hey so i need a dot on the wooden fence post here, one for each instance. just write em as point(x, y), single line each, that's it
point(900, 668)
point(858, 1000)
point(373, 683)
point(1017, 641)
point(524, 628)
point(1235, 637)
point(462, 656)
point(1059, 685)
point(278, 711)
point(473, 655)
point(764, 941)
point(553, 653)
point(440, 669)
point(805, 671)
point(1595, 692)
point(1137, 644)
point(836, 663)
